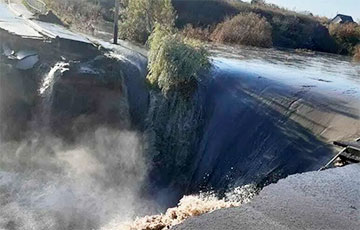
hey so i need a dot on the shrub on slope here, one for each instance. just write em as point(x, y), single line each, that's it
point(140, 17)
point(357, 53)
point(174, 62)
point(289, 29)
point(346, 35)
point(244, 29)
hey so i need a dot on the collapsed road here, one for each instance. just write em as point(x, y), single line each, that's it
point(22, 24)
point(316, 200)
point(266, 114)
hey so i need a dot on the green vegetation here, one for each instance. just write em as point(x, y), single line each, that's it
point(175, 62)
point(141, 16)
point(225, 21)
point(244, 29)
point(81, 13)
point(289, 29)
point(197, 33)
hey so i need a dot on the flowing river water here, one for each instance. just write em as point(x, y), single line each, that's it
point(265, 114)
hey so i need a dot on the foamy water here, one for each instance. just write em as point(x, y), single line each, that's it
point(46, 92)
point(189, 206)
point(50, 78)
point(50, 185)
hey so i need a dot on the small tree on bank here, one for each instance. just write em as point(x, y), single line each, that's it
point(140, 17)
point(175, 62)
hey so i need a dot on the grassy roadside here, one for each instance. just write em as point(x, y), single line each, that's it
point(214, 21)
point(79, 14)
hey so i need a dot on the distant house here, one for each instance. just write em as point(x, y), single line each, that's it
point(341, 18)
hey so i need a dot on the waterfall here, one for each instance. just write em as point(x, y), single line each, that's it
point(50, 78)
point(46, 91)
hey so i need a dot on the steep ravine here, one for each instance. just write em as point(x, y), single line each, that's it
point(115, 148)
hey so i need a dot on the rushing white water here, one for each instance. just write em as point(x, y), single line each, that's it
point(189, 206)
point(46, 92)
point(48, 184)
point(50, 78)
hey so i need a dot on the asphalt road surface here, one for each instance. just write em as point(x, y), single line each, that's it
point(328, 200)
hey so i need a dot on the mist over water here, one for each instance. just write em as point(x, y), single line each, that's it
point(47, 184)
point(50, 183)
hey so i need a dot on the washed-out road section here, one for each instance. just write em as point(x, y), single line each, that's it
point(327, 200)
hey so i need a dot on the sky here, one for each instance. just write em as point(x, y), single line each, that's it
point(328, 8)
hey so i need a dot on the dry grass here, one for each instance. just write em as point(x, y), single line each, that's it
point(289, 29)
point(268, 9)
point(348, 30)
point(346, 35)
point(79, 13)
point(197, 33)
point(244, 29)
point(357, 53)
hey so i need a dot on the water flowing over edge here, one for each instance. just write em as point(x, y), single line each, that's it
point(189, 206)
point(50, 78)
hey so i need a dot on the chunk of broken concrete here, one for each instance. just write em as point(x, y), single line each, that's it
point(27, 62)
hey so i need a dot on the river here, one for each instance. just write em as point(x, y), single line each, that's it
point(264, 114)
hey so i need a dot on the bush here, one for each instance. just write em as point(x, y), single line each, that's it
point(197, 33)
point(141, 16)
point(244, 29)
point(357, 52)
point(346, 35)
point(174, 62)
point(289, 29)
point(202, 13)
point(83, 12)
